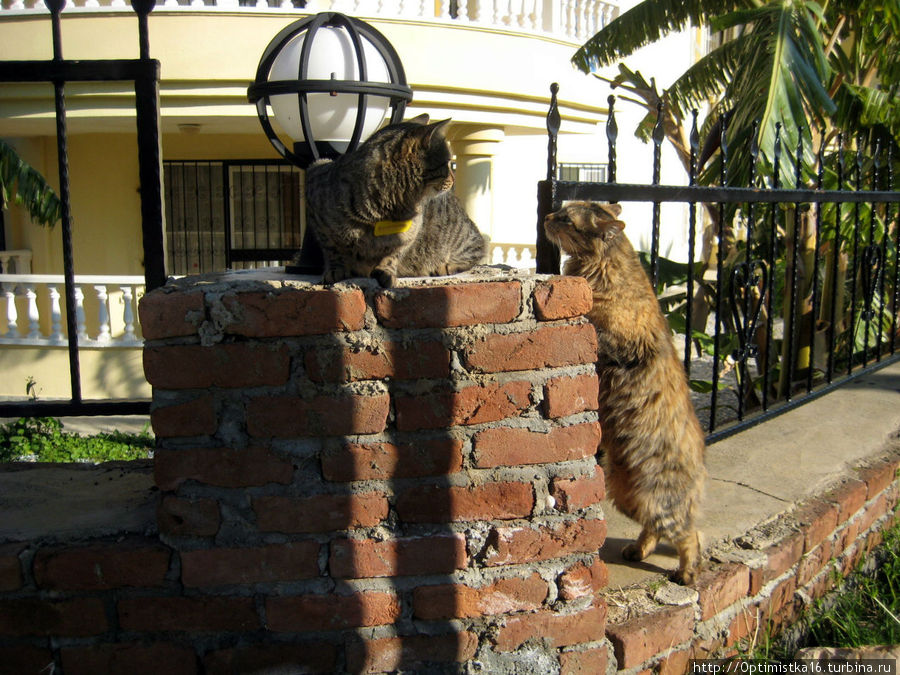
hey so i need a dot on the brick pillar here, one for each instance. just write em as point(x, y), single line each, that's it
point(361, 480)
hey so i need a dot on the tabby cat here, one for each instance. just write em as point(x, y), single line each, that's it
point(386, 209)
point(653, 443)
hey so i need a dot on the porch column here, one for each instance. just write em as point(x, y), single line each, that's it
point(475, 146)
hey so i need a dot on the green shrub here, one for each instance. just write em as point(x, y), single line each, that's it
point(42, 439)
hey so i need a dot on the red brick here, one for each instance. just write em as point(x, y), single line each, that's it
point(813, 562)
point(850, 498)
point(320, 513)
point(720, 587)
point(410, 653)
point(59, 618)
point(25, 660)
point(397, 360)
point(10, 567)
point(819, 520)
point(441, 504)
point(449, 305)
point(126, 659)
point(587, 662)
point(779, 607)
point(271, 562)
point(565, 396)
point(873, 511)
point(277, 657)
point(166, 314)
point(504, 446)
point(331, 612)
point(550, 346)
point(288, 416)
point(223, 467)
point(743, 625)
point(471, 405)
point(580, 580)
point(574, 494)
point(878, 476)
point(780, 557)
point(562, 298)
point(293, 311)
point(515, 545)
point(459, 601)
point(101, 567)
point(192, 615)
point(193, 418)
point(222, 365)
point(636, 640)
point(188, 517)
point(366, 558)
point(385, 461)
point(552, 629)
point(675, 663)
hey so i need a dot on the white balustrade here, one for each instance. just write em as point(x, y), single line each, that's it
point(34, 309)
point(574, 20)
point(519, 256)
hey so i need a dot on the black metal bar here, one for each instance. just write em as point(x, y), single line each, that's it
point(547, 255)
point(820, 179)
point(720, 266)
point(124, 70)
point(612, 133)
point(835, 263)
point(792, 329)
point(625, 192)
point(770, 290)
point(895, 300)
point(62, 151)
point(74, 409)
point(146, 91)
point(856, 268)
point(694, 141)
point(657, 136)
point(226, 211)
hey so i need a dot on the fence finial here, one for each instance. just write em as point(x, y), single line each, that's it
point(612, 132)
point(553, 124)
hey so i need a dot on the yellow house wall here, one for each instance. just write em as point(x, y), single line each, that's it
point(105, 373)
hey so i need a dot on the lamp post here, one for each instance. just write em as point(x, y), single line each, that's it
point(330, 81)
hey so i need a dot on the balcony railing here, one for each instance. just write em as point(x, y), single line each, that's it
point(574, 20)
point(105, 310)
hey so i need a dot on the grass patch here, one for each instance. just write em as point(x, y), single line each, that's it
point(42, 439)
point(864, 611)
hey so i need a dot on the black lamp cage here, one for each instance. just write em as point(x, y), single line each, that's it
point(306, 152)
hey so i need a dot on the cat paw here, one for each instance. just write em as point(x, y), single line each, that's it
point(633, 552)
point(684, 577)
point(384, 278)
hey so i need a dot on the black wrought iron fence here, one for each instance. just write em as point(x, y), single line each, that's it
point(144, 73)
point(795, 289)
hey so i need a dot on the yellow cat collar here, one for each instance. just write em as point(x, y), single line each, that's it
point(385, 227)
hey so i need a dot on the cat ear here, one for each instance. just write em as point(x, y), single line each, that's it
point(613, 209)
point(436, 128)
point(420, 119)
point(607, 228)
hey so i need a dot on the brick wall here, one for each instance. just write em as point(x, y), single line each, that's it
point(351, 480)
point(366, 481)
point(759, 584)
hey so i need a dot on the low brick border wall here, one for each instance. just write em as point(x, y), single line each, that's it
point(352, 480)
point(759, 583)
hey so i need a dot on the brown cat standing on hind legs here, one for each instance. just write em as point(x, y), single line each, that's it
point(654, 444)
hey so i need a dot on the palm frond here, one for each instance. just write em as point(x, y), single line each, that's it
point(22, 184)
point(644, 23)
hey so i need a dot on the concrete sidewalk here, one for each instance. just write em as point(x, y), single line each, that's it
point(762, 472)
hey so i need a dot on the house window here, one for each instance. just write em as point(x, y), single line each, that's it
point(231, 215)
point(582, 173)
